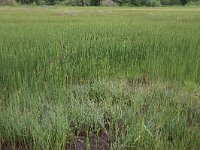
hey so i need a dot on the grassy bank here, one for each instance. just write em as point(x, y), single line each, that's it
point(123, 78)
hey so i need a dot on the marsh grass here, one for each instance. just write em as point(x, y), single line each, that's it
point(132, 74)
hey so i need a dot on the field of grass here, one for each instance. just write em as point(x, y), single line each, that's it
point(99, 78)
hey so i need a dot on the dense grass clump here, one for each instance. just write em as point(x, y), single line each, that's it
point(127, 77)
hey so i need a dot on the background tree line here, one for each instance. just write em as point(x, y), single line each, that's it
point(106, 2)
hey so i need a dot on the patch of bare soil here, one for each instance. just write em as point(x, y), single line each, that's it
point(94, 141)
